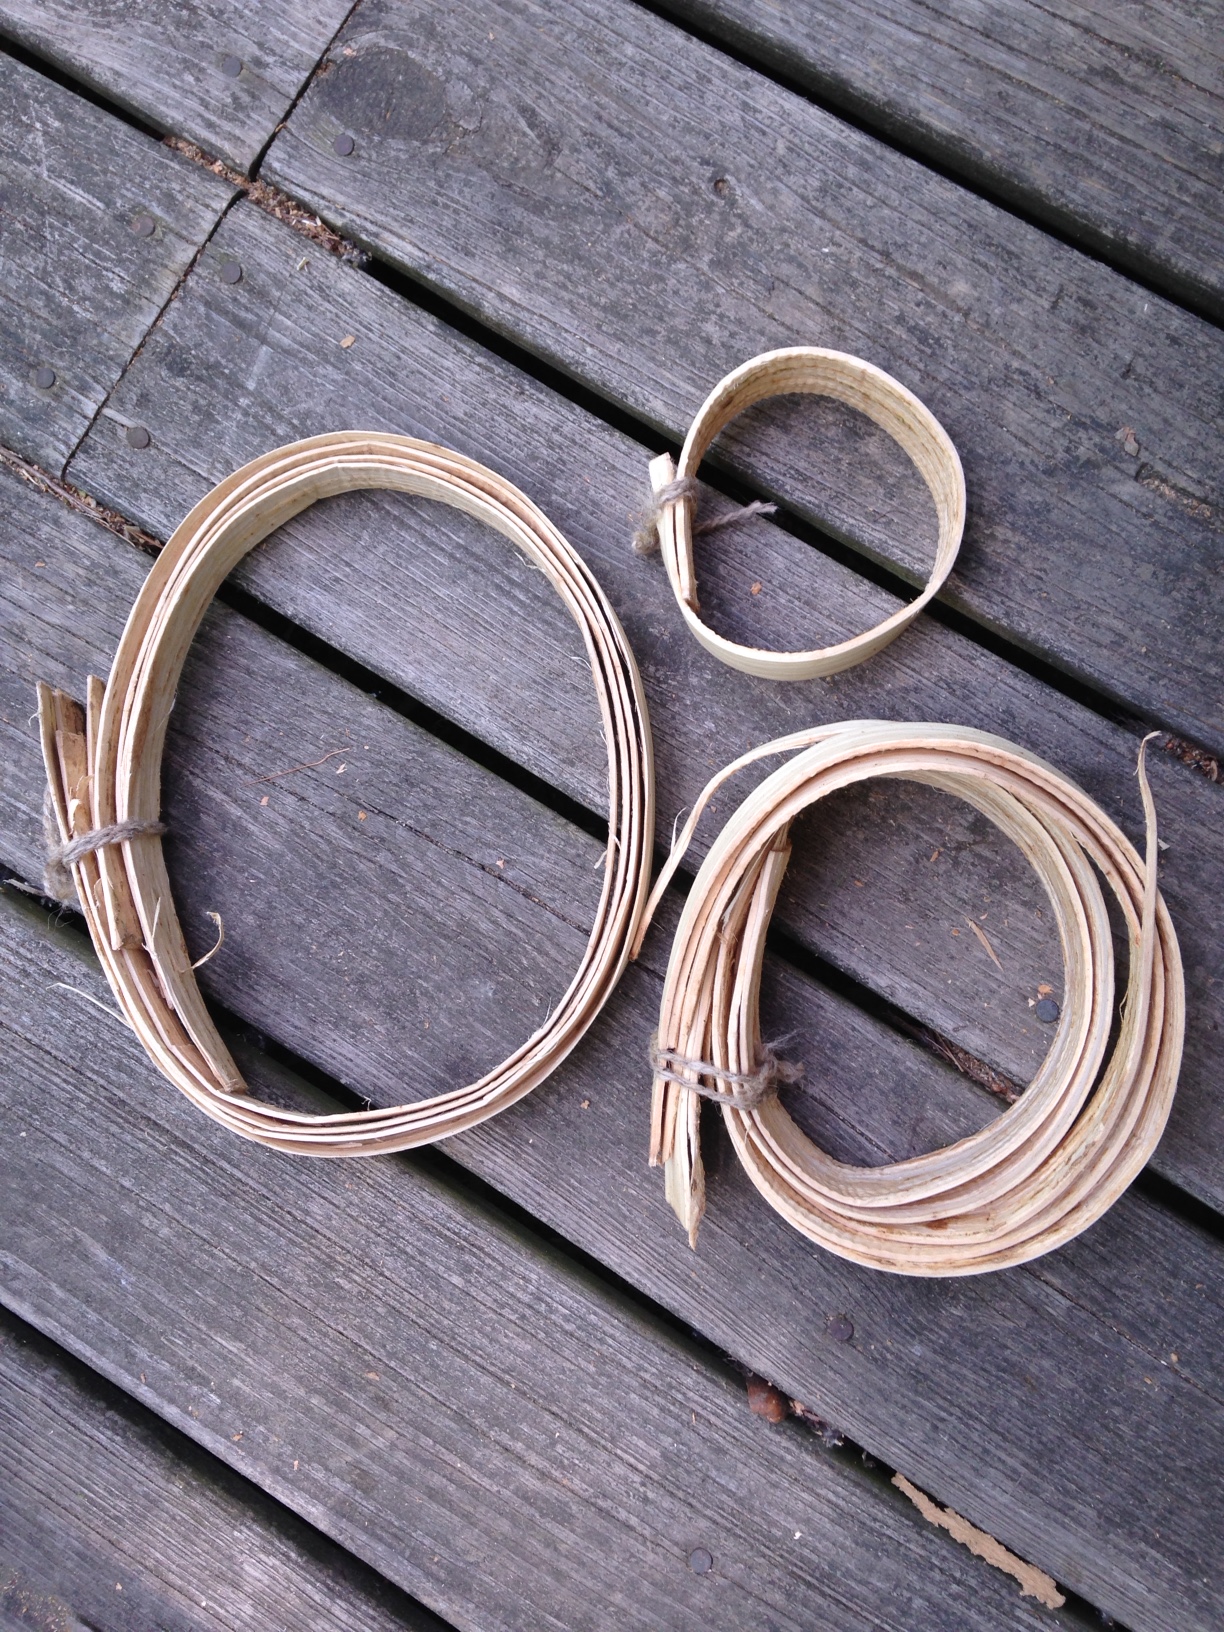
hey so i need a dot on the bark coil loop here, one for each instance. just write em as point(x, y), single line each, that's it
point(1052, 1163)
point(812, 370)
point(104, 771)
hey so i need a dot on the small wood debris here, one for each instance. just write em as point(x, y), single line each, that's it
point(272, 201)
point(1034, 1583)
point(310, 765)
point(1129, 441)
point(764, 1400)
point(833, 1437)
point(1197, 758)
point(968, 1065)
point(78, 501)
point(989, 950)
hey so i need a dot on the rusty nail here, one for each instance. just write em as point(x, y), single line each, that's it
point(1047, 1010)
point(343, 145)
point(144, 226)
point(231, 272)
point(231, 66)
point(701, 1562)
point(44, 377)
point(137, 436)
point(840, 1328)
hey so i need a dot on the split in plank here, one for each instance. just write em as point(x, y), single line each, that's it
point(646, 213)
point(99, 225)
point(883, 884)
point(1060, 1372)
point(110, 1516)
point(517, 1446)
point(221, 75)
point(1105, 121)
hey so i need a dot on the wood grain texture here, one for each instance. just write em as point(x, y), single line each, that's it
point(332, 937)
point(646, 213)
point(109, 1515)
point(514, 1444)
point(168, 62)
point(1105, 120)
point(79, 288)
point(882, 883)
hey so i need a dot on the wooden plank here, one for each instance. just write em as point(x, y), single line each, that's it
point(477, 1419)
point(80, 285)
point(645, 213)
point(221, 75)
point(1105, 121)
point(1039, 1372)
point(882, 884)
point(110, 1516)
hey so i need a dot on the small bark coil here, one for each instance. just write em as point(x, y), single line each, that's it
point(1088, 1122)
point(861, 385)
point(104, 773)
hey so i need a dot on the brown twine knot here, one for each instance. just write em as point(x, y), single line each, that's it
point(646, 538)
point(57, 876)
point(743, 1089)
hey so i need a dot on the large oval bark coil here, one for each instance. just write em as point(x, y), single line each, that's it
point(104, 771)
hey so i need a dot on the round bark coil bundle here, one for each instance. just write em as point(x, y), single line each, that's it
point(861, 385)
point(104, 774)
point(1053, 1162)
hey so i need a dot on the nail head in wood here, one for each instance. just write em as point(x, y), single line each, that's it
point(231, 66)
point(144, 226)
point(137, 437)
point(343, 145)
point(700, 1561)
point(231, 272)
point(44, 377)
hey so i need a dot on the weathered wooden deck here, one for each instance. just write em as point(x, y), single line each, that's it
point(490, 1386)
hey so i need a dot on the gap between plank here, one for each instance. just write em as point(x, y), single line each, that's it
point(307, 82)
point(401, 702)
point(842, 110)
point(427, 298)
point(203, 1465)
point(823, 1438)
point(858, 114)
